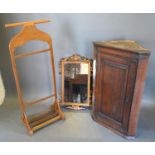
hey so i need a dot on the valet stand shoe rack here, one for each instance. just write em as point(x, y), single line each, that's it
point(29, 33)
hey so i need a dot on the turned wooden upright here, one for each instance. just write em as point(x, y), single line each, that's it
point(28, 33)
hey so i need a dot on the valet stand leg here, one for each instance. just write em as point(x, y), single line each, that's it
point(26, 122)
point(59, 111)
point(56, 103)
point(19, 92)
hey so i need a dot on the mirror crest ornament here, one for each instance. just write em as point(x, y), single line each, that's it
point(76, 88)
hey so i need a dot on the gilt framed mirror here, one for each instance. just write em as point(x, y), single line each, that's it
point(76, 85)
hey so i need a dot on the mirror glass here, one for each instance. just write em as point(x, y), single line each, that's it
point(76, 82)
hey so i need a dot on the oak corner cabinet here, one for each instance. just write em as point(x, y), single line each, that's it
point(120, 68)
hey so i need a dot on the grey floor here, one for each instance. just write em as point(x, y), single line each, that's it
point(78, 126)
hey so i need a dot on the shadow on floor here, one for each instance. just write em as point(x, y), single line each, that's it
point(146, 123)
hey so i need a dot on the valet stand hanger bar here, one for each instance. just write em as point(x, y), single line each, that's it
point(28, 33)
point(26, 23)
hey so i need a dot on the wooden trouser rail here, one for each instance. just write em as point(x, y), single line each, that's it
point(42, 119)
point(35, 117)
point(37, 101)
point(31, 53)
point(46, 123)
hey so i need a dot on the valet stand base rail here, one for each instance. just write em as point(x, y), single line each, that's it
point(29, 33)
point(40, 120)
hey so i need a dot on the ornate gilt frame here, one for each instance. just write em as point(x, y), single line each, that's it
point(76, 59)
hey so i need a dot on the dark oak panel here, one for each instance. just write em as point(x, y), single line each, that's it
point(113, 105)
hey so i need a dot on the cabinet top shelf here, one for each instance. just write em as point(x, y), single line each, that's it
point(128, 45)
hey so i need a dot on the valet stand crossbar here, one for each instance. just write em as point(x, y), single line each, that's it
point(29, 33)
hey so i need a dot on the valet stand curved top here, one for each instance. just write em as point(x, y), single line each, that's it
point(28, 33)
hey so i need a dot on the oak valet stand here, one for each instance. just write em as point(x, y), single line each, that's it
point(29, 33)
